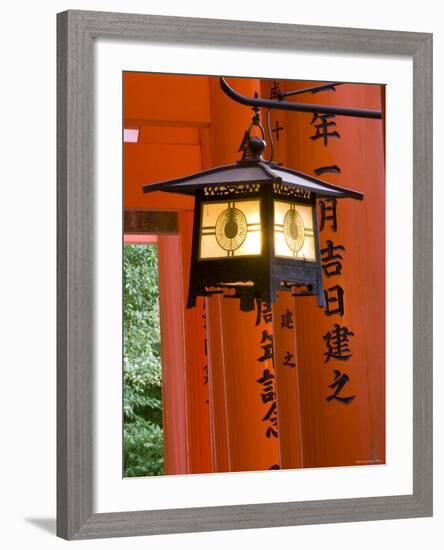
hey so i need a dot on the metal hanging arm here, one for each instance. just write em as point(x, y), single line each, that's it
point(299, 107)
point(313, 89)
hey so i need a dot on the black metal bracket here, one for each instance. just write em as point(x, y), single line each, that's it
point(299, 107)
point(313, 89)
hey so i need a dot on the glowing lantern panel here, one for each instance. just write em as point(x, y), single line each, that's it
point(294, 231)
point(230, 229)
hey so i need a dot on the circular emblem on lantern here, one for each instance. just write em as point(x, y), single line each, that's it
point(293, 230)
point(231, 229)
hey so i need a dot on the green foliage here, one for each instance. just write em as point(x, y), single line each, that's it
point(142, 373)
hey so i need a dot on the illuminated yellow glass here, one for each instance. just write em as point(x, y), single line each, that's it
point(294, 231)
point(229, 229)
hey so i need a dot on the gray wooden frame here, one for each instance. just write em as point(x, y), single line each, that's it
point(77, 31)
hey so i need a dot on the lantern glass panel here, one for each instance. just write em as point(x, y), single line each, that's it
point(294, 231)
point(230, 229)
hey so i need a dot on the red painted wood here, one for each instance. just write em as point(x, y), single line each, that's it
point(172, 337)
point(198, 414)
point(286, 366)
point(335, 434)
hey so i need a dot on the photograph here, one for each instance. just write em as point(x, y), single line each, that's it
point(254, 274)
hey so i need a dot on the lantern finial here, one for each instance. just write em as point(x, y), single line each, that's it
point(252, 147)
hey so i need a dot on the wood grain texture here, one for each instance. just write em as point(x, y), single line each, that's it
point(423, 275)
point(76, 33)
point(75, 276)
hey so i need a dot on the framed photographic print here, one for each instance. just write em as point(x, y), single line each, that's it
point(244, 275)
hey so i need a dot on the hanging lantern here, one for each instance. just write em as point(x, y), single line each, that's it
point(255, 227)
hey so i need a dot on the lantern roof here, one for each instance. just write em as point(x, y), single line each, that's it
point(252, 171)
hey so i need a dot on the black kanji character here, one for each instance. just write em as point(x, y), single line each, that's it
point(331, 262)
point(322, 128)
point(334, 298)
point(287, 359)
point(328, 213)
point(337, 340)
point(287, 319)
point(267, 340)
point(339, 382)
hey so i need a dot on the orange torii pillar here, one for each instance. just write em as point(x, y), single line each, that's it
point(341, 348)
point(284, 327)
point(198, 414)
point(242, 381)
point(174, 402)
point(187, 447)
point(286, 367)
